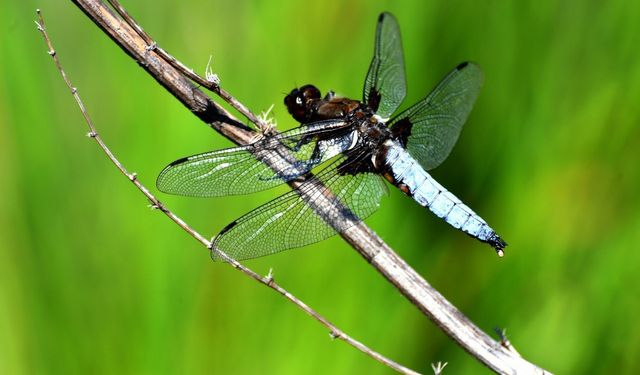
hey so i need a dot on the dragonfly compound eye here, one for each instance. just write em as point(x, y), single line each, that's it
point(298, 101)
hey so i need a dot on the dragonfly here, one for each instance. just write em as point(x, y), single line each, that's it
point(356, 146)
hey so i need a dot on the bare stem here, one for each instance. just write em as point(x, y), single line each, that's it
point(267, 280)
point(408, 282)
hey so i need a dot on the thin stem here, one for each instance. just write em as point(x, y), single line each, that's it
point(267, 281)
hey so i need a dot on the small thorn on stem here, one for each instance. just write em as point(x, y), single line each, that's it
point(132, 176)
point(268, 121)
point(74, 90)
point(151, 47)
point(51, 53)
point(92, 134)
point(439, 367)
point(209, 75)
point(504, 341)
point(269, 278)
point(334, 335)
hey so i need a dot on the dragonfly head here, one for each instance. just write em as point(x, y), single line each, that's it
point(300, 100)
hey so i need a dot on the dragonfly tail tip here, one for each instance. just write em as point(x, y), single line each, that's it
point(498, 244)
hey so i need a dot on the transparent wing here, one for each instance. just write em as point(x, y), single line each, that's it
point(431, 127)
point(385, 85)
point(291, 220)
point(246, 169)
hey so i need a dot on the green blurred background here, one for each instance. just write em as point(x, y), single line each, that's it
point(93, 281)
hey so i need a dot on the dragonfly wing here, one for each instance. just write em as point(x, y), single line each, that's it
point(385, 86)
point(430, 128)
point(293, 219)
point(248, 169)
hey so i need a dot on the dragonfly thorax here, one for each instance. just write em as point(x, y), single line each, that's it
point(373, 133)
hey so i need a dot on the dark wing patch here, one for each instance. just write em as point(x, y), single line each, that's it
point(401, 131)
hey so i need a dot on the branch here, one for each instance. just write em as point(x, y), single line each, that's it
point(480, 345)
point(156, 204)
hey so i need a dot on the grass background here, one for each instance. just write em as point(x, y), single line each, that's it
point(92, 281)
